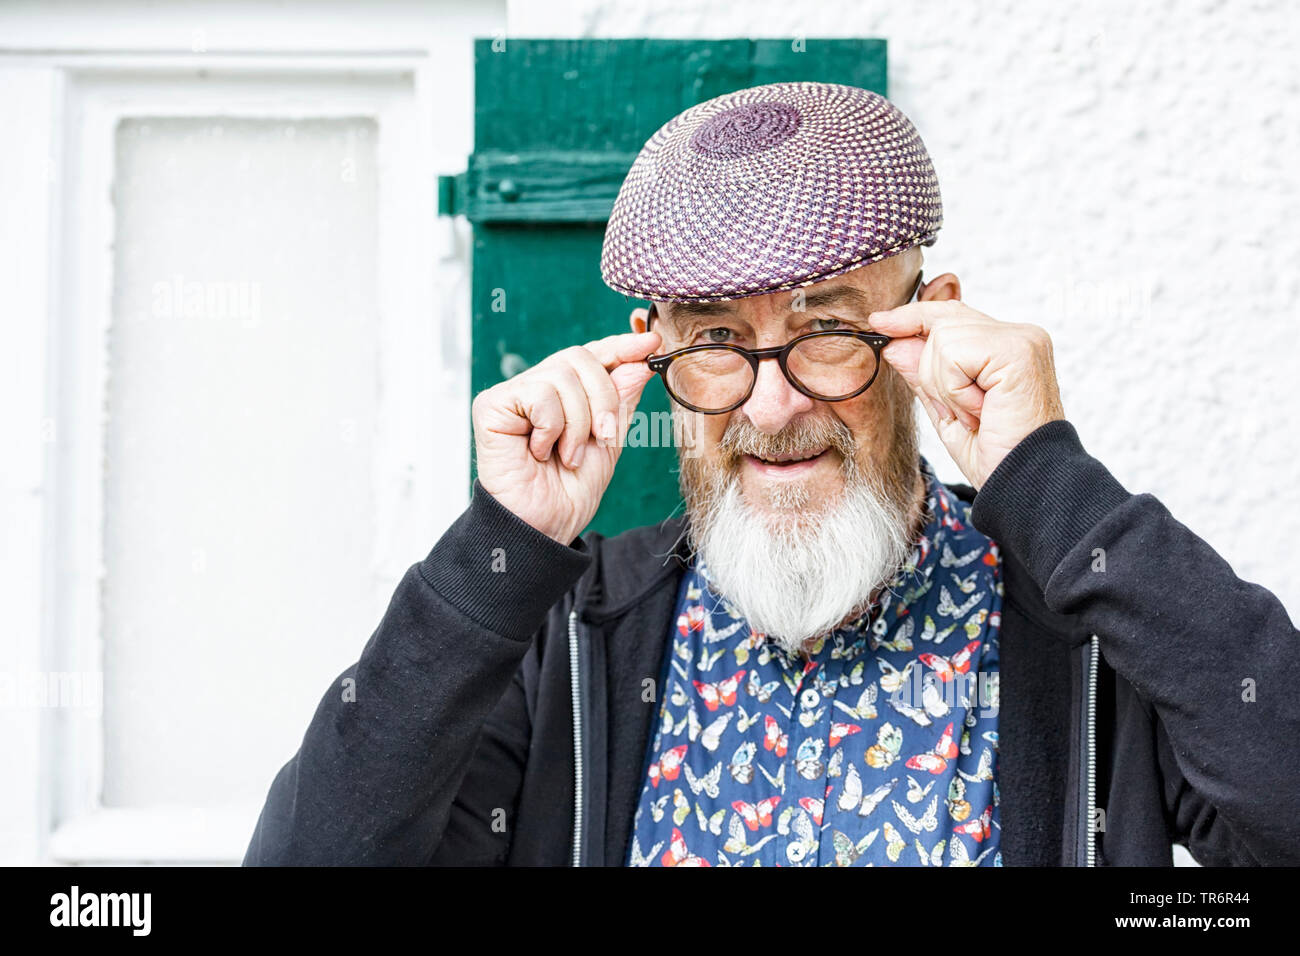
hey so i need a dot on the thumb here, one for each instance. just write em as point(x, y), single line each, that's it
point(904, 355)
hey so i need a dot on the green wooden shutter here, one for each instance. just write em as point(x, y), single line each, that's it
point(557, 124)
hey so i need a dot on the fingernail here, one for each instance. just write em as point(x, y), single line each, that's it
point(605, 426)
point(578, 454)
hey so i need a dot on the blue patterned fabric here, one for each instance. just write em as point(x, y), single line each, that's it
point(879, 748)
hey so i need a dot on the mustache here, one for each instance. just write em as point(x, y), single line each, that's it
point(800, 438)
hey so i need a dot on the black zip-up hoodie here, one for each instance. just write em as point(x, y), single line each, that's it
point(502, 716)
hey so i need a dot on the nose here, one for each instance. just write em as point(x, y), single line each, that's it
point(774, 400)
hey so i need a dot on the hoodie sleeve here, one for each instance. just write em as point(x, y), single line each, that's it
point(1216, 656)
point(386, 753)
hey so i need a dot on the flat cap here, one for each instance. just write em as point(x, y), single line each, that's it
point(770, 188)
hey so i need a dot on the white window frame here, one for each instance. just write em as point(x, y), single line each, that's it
point(62, 109)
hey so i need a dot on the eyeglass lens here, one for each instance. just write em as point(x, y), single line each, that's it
point(830, 366)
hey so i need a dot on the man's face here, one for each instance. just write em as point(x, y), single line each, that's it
point(780, 424)
point(800, 547)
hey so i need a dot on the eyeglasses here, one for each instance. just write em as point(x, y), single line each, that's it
point(831, 366)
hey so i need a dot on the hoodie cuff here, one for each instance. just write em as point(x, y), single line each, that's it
point(500, 571)
point(1044, 498)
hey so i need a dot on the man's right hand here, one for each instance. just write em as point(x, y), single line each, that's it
point(547, 440)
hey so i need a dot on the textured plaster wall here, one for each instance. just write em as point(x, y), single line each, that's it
point(1125, 175)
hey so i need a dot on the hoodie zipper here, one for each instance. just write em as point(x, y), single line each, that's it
point(1090, 772)
point(575, 686)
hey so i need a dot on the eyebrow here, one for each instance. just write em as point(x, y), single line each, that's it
point(841, 295)
point(677, 311)
point(820, 299)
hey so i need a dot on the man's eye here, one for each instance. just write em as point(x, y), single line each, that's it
point(829, 327)
point(717, 336)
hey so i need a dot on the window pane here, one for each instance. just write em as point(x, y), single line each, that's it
point(240, 414)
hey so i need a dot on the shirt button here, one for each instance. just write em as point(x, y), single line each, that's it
point(810, 698)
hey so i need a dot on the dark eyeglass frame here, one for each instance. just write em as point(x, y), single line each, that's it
point(876, 340)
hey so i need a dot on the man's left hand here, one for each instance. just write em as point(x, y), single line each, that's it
point(984, 384)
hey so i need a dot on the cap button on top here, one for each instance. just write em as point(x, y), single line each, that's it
point(749, 128)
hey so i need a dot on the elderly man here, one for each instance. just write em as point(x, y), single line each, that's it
point(832, 658)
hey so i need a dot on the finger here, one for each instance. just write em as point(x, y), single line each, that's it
point(602, 395)
point(972, 357)
point(537, 401)
point(957, 372)
point(938, 415)
point(926, 391)
point(615, 350)
point(503, 416)
point(922, 318)
point(959, 397)
point(629, 381)
point(577, 414)
point(932, 412)
point(904, 355)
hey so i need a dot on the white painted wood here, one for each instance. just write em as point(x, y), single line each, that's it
point(101, 100)
point(70, 71)
point(201, 27)
point(242, 430)
point(27, 113)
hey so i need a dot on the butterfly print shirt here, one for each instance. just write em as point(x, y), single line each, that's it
point(879, 748)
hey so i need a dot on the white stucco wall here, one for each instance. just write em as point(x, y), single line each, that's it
point(1125, 178)
point(1124, 175)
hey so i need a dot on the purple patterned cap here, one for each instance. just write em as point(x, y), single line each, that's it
point(770, 188)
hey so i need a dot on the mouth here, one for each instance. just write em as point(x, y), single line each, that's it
point(787, 464)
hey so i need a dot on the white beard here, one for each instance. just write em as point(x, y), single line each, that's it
point(798, 576)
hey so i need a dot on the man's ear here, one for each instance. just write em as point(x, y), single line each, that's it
point(941, 289)
point(637, 319)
